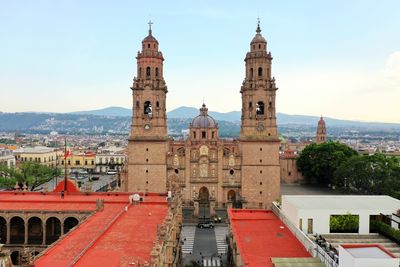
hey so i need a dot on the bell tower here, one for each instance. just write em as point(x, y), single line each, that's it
point(148, 141)
point(258, 134)
point(321, 131)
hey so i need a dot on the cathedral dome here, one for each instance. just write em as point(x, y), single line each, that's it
point(321, 121)
point(203, 120)
point(258, 38)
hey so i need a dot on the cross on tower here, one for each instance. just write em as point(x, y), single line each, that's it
point(150, 23)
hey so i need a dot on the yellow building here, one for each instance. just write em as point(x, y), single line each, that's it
point(43, 155)
point(84, 160)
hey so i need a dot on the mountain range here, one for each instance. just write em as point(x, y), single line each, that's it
point(234, 116)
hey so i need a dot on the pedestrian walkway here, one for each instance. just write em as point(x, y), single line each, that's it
point(211, 262)
point(188, 233)
point(220, 236)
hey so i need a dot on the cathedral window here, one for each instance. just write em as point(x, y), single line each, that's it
point(260, 71)
point(260, 108)
point(140, 72)
point(250, 105)
point(137, 104)
point(148, 46)
point(251, 73)
point(176, 171)
point(156, 72)
point(148, 71)
point(259, 46)
point(203, 134)
point(213, 135)
point(147, 108)
point(231, 172)
point(157, 104)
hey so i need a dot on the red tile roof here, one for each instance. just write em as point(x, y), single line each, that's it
point(112, 237)
point(260, 236)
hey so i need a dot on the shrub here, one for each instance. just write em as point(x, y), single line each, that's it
point(347, 223)
point(386, 230)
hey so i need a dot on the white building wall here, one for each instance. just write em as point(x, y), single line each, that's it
point(347, 260)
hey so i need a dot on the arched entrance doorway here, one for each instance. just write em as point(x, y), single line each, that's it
point(204, 203)
point(35, 231)
point(17, 230)
point(70, 223)
point(15, 258)
point(232, 198)
point(53, 230)
point(3, 230)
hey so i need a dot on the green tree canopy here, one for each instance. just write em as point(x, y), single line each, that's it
point(318, 162)
point(375, 174)
point(32, 173)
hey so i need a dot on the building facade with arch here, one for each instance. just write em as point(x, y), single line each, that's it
point(213, 173)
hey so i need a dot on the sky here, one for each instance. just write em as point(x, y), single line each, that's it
point(339, 59)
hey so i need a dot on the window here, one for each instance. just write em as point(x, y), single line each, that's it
point(260, 108)
point(86, 162)
point(157, 104)
point(260, 192)
point(251, 73)
point(92, 162)
point(147, 149)
point(260, 160)
point(156, 72)
point(140, 72)
point(212, 135)
point(147, 108)
point(231, 172)
point(203, 134)
point(289, 173)
point(194, 135)
point(250, 105)
point(259, 46)
point(148, 46)
point(137, 104)
point(301, 224)
point(148, 71)
point(260, 148)
point(77, 162)
point(260, 171)
point(260, 183)
point(147, 160)
point(176, 171)
point(69, 162)
point(260, 72)
point(147, 171)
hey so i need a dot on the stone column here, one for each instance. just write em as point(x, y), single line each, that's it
point(44, 232)
point(196, 209)
point(26, 233)
point(8, 232)
point(62, 228)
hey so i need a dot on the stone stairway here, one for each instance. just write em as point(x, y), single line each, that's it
point(336, 239)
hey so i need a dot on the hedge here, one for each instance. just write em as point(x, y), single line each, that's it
point(386, 230)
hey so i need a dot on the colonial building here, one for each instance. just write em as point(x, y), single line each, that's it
point(213, 173)
point(321, 131)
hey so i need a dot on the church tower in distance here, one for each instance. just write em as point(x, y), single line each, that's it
point(321, 131)
point(259, 140)
point(148, 141)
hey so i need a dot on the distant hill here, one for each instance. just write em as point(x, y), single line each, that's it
point(110, 111)
point(118, 119)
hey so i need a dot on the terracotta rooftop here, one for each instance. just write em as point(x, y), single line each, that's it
point(112, 237)
point(260, 235)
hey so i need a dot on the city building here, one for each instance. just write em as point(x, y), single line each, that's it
point(7, 158)
point(321, 131)
point(289, 172)
point(83, 161)
point(312, 214)
point(69, 227)
point(213, 173)
point(109, 162)
point(40, 154)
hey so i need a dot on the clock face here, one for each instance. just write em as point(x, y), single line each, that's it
point(147, 127)
point(260, 127)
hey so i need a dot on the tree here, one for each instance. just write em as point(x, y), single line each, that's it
point(318, 162)
point(375, 174)
point(32, 173)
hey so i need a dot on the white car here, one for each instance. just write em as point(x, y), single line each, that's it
point(111, 172)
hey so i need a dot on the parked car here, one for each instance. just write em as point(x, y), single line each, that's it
point(95, 178)
point(205, 225)
point(111, 172)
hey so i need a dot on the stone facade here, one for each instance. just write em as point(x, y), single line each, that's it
point(212, 173)
point(321, 131)
point(289, 172)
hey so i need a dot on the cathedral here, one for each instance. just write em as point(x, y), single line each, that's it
point(213, 173)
